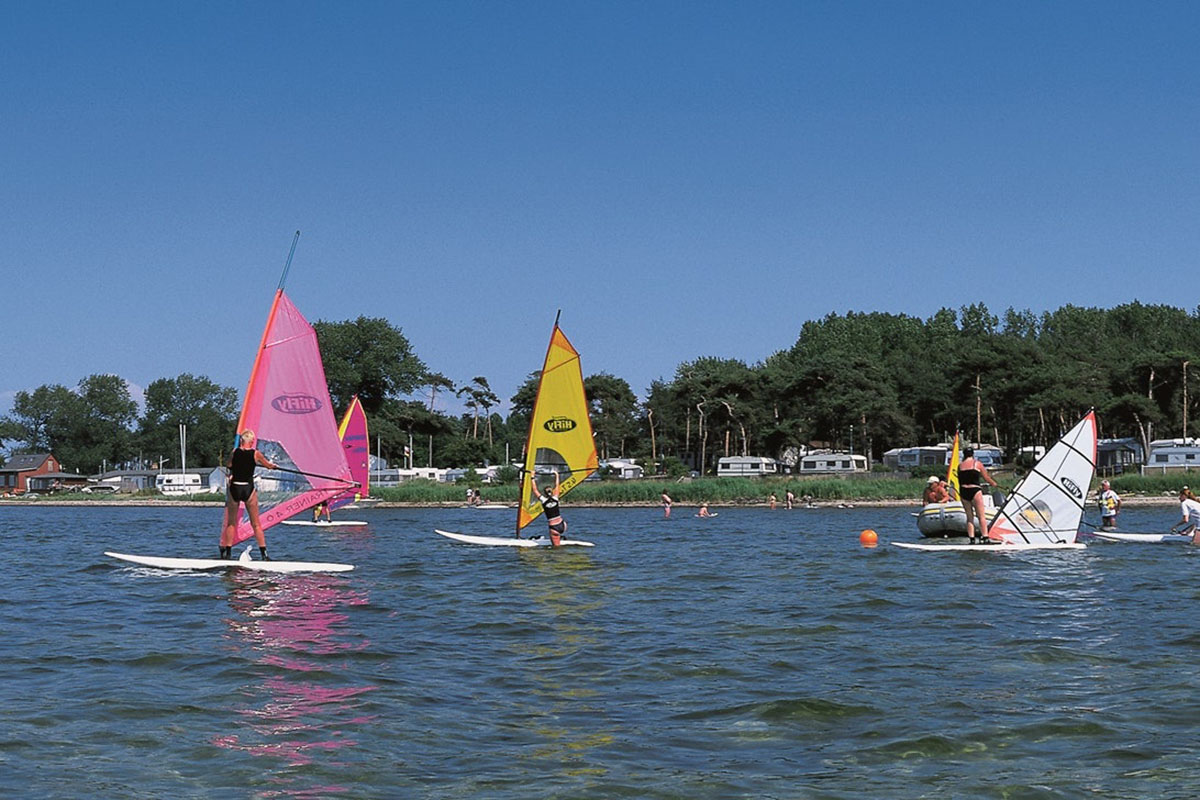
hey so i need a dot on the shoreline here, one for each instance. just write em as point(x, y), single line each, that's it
point(1126, 502)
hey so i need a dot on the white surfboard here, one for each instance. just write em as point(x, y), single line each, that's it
point(244, 562)
point(990, 548)
point(1144, 538)
point(490, 507)
point(510, 541)
point(337, 523)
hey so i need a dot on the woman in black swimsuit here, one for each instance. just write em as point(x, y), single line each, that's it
point(970, 472)
point(549, 501)
point(240, 490)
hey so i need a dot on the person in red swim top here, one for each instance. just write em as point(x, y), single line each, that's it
point(240, 491)
point(971, 472)
point(550, 507)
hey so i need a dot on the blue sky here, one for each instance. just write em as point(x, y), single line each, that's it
point(682, 179)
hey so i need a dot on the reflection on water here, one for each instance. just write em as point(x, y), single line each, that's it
point(294, 628)
point(566, 598)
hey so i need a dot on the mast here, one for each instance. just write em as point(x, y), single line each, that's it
point(288, 265)
point(531, 457)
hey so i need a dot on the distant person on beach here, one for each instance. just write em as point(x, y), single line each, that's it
point(789, 499)
point(970, 472)
point(240, 490)
point(771, 500)
point(935, 491)
point(550, 507)
point(1110, 504)
point(666, 504)
point(1189, 507)
point(319, 509)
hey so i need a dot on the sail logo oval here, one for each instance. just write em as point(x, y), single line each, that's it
point(1072, 487)
point(296, 404)
point(559, 424)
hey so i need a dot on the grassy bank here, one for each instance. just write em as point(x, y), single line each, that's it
point(748, 490)
point(736, 491)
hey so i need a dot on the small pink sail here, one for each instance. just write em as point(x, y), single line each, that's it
point(356, 444)
point(287, 406)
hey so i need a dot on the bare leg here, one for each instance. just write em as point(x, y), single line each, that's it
point(969, 510)
point(229, 528)
point(252, 512)
point(977, 502)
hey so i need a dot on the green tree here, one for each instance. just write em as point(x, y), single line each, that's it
point(83, 428)
point(612, 408)
point(209, 410)
point(368, 357)
point(40, 419)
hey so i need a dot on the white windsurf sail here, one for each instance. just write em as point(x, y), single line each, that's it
point(1046, 507)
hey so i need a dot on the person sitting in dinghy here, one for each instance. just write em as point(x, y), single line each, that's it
point(240, 490)
point(970, 472)
point(550, 507)
point(935, 491)
point(1189, 506)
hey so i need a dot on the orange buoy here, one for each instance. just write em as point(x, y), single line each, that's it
point(868, 538)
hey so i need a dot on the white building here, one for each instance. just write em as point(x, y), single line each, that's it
point(623, 468)
point(1168, 455)
point(746, 467)
point(832, 463)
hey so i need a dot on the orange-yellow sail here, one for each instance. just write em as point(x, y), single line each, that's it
point(560, 432)
point(952, 472)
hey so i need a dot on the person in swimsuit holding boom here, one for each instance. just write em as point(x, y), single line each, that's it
point(550, 507)
point(240, 490)
point(970, 471)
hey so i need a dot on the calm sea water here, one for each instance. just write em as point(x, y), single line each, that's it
point(758, 654)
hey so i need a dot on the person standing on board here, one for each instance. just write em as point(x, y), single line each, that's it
point(1190, 508)
point(240, 490)
point(549, 501)
point(666, 504)
point(970, 472)
point(1110, 504)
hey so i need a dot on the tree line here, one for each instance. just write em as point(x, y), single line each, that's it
point(861, 381)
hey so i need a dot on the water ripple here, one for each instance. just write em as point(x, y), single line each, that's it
point(767, 655)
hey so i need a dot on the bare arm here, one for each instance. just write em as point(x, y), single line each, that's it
point(261, 460)
point(986, 476)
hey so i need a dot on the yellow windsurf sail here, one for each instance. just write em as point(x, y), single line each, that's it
point(952, 472)
point(560, 432)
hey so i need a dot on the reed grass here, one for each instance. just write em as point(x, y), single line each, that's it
point(731, 491)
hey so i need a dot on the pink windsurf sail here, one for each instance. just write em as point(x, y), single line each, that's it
point(287, 406)
point(356, 444)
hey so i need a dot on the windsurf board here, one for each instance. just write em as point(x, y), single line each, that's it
point(161, 562)
point(1143, 538)
point(510, 541)
point(989, 548)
